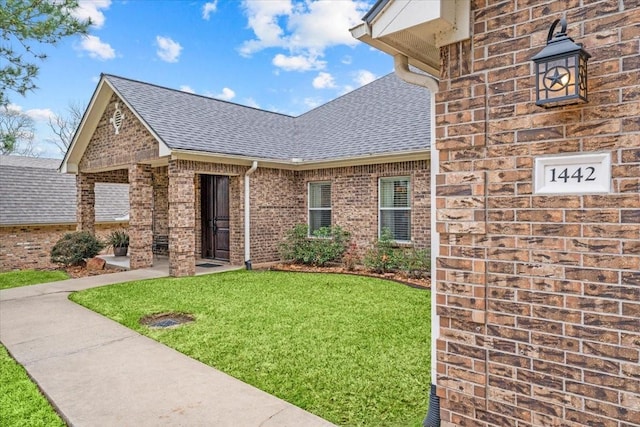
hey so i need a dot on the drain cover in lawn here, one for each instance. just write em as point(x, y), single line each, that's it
point(166, 320)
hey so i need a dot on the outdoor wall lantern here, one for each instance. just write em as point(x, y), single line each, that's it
point(561, 70)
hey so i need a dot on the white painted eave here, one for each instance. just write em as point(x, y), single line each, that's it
point(416, 29)
point(300, 164)
point(96, 108)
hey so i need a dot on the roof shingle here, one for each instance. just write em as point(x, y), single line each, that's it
point(32, 191)
point(386, 116)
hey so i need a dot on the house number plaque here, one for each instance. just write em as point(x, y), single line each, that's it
point(577, 174)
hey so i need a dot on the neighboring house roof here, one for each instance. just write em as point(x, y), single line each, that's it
point(386, 117)
point(32, 191)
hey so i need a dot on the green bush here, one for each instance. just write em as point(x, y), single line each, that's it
point(326, 244)
point(384, 257)
point(118, 239)
point(74, 248)
point(415, 263)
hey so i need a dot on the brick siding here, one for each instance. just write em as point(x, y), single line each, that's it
point(538, 295)
point(29, 246)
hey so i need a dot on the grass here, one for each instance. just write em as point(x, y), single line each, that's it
point(21, 403)
point(13, 279)
point(353, 350)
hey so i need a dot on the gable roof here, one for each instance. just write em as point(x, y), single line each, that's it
point(32, 191)
point(386, 117)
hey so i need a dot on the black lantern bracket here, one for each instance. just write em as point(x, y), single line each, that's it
point(561, 69)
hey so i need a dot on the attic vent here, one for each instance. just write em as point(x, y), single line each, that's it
point(118, 117)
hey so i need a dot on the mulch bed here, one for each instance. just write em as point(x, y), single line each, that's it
point(77, 271)
point(421, 283)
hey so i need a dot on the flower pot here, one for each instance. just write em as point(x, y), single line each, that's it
point(120, 250)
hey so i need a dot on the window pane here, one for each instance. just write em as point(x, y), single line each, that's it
point(398, 222)
point(320, 195)
point(394, 193)
point(319, 218)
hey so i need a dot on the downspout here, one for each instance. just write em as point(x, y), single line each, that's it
point(401, 66)
point(247, 216)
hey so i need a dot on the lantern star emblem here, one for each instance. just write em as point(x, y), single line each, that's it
point(557, 76)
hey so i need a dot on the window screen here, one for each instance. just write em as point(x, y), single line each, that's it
point(319, 205)
point(395, 207)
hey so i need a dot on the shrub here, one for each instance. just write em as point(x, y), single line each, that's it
point(382, 258)
point(385, 258)
point(73, 248)
point(415, 263)
point(351, 258)
point(325, 245)
point(118, 239)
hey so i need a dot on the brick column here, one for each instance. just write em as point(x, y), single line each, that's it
point(182, 260)
point(140, 216)
point(86, 201)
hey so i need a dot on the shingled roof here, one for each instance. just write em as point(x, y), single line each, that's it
point(387, 116)
point(32, 191)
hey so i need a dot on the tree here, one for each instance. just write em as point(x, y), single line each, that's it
point(16, 132)
point(65, 126)
point(24, 23)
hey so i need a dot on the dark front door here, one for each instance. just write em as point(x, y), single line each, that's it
point(215, 217)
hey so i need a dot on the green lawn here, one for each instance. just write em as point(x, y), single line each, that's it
point(13, 279)
point(353, 350)
point(21, 403)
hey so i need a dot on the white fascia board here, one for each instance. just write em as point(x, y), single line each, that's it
point(88, 124)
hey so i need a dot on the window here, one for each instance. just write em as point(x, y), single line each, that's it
point(319, 205)
point(395, 207)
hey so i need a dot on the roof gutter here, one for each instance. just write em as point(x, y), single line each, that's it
point(401, 67)
point(247, 215)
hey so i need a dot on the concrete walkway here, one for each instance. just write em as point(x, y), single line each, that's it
point(99, 373)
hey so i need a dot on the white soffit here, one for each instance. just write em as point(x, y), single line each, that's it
point(417, 29)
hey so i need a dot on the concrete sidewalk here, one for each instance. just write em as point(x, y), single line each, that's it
point(99, 373)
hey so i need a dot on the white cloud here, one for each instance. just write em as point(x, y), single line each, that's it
point(364, 77)
point(168, 50)
point(250, 102)
point(187, 88)
point(96, 48)
point(263, 20)
point(297, 63)
point(312, 102)
point(12, 107)
point(303, 28)
point(347, 60)
point(209, 8)
point(90, 9)
point(40, 114)
point(324, 81)
point(226, 94)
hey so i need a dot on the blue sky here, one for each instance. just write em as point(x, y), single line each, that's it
point(287, 56)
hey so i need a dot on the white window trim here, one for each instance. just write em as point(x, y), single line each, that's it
point(309, 208)
point(380, 208)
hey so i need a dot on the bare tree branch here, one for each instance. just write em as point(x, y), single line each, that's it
point(64, 126)
point(17, 132)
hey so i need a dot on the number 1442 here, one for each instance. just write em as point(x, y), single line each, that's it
point(579, 174)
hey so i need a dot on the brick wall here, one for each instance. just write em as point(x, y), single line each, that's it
point(538, 295)
point(132, 144)
point(279, 201)
point(29, 246)
point(354, 198)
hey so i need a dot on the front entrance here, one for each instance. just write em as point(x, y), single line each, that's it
point(215, 217)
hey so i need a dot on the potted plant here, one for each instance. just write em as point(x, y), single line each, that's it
point(119, 241)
